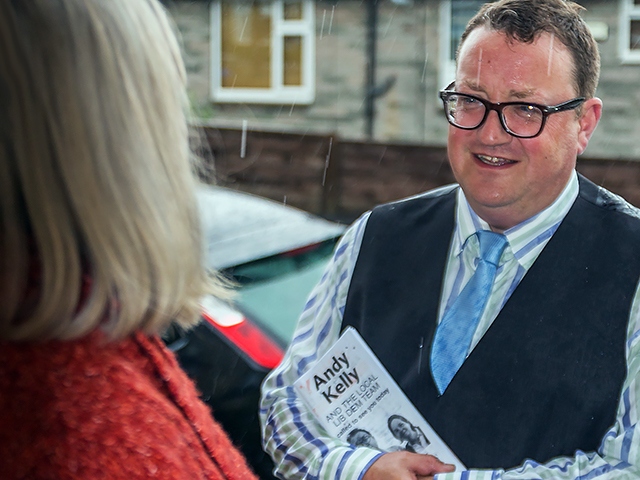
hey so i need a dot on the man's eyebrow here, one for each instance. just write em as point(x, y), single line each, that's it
point(471, 86)
point(518, 94)
point(529, 92)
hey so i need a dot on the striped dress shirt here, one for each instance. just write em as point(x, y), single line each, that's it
point(300, 447)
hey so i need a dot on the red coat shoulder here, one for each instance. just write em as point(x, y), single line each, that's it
point(93, 409)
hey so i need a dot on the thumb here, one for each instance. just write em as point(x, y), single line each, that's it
point(427, 465)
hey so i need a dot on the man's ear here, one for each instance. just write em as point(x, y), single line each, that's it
point(591, 113)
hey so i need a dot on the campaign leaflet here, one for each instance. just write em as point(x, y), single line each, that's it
point(356, 400)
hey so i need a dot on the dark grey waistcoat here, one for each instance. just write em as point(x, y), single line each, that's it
point(545, 379)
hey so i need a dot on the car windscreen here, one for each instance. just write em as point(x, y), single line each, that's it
point(273, 291)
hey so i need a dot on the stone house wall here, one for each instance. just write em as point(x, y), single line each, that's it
point(408, 45)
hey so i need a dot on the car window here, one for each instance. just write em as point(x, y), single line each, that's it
point(273, 291)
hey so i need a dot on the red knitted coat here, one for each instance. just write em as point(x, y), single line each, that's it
point(88, 409)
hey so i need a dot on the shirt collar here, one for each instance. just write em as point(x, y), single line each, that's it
point(525, 239)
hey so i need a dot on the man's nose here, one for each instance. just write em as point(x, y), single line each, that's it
point(491, 132)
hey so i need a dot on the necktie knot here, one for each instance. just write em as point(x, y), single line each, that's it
point(491, 246)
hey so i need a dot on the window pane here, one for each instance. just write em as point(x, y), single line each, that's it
point(634, 38)
point(293, 11)
point(292, 61)
point(461, 13)
point(246, 38)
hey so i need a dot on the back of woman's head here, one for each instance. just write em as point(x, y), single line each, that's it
point(98, 221)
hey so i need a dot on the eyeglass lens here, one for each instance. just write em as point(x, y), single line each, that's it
point(520, 118)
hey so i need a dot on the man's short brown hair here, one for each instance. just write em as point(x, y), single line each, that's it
point(525, 20)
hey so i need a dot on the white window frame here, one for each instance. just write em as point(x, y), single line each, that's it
point(447, 65)
point(628, 12)
point(447, 70)
point(278, 93)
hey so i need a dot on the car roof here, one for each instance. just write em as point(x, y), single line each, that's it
point(239, 227)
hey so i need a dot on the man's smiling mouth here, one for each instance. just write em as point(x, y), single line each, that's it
point(494, 161)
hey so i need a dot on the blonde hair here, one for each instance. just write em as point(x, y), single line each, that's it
point(94, 172)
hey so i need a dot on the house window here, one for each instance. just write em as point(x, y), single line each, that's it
point(630, 31)
point(263, 51)
point(454, 16)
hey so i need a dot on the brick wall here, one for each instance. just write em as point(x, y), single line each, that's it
point(341, 179)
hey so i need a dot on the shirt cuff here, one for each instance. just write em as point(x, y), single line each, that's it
point(470, 475)
point(347, 463)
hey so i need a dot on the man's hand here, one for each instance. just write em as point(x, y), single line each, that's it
point(406, 466)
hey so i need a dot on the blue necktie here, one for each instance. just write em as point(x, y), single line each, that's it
point(455, 331)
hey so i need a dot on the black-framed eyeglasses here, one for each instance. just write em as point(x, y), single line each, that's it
point(520, 119)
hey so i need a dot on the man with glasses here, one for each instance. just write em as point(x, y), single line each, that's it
point(512, 294)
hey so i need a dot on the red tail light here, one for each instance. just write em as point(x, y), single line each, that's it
point(243, 333)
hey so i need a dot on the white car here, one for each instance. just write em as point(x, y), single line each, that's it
point(275, 254)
